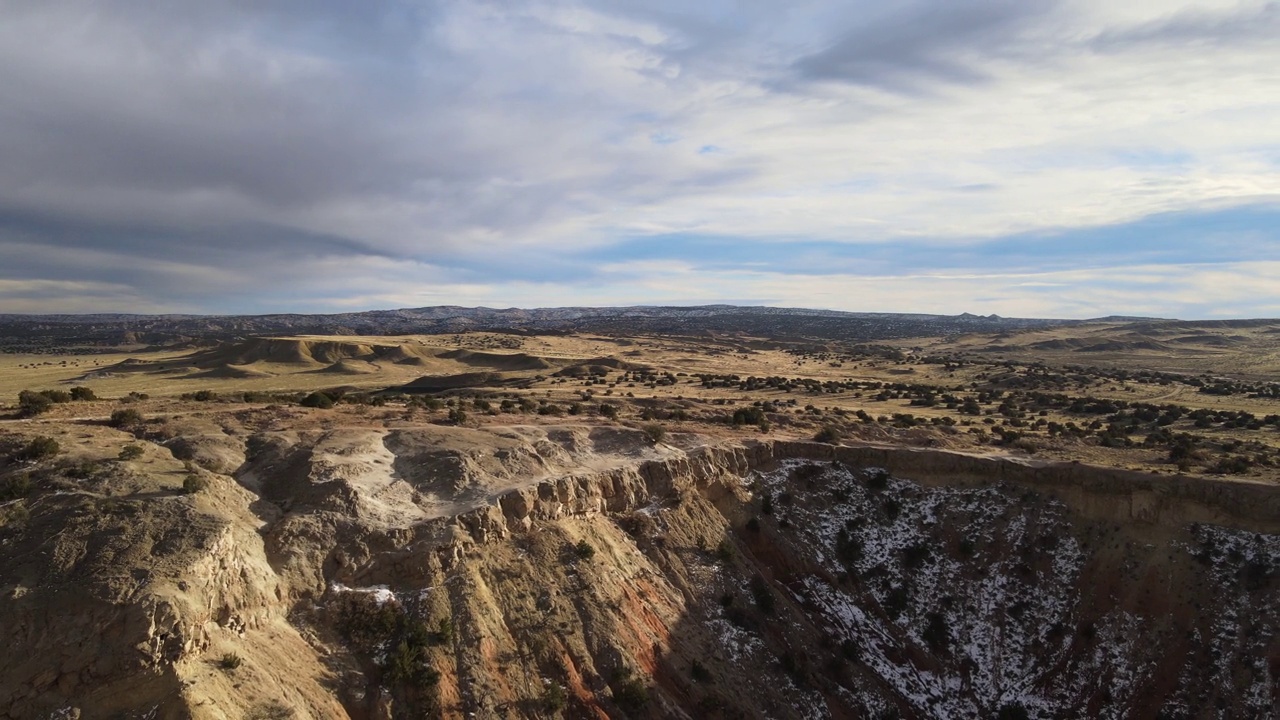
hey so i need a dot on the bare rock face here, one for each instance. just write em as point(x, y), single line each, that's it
point(585, 572)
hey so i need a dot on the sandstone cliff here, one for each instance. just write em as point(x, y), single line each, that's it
point(581, 571)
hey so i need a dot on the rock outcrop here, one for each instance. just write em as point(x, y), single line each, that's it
point(531, 572)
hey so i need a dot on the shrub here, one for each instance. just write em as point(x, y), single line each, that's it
point(724, 551)
point(630, 694)
point(1013, 711)
point(896, 601)
point(750, 416)
point(38, 449)
point(82, 393)
point(829, 434)
point(457, 416)
point(584, 550)
point(230, 661)
point(554, 699)
point(31, 403)
point(194, 483)
point(762, 595)
point(937, 633)
point(125, 417)
point(317, 400)
point(654, 432)
point(15, 487)
point(57, 396)
point(272, 710)
point(408, 663)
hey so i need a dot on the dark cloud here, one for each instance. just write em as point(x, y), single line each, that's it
point(923, 41)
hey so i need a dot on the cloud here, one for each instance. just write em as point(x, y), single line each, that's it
point(256, 156)
point(935, 40)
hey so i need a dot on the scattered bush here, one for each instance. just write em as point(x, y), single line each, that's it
point(896, 601)
point(15, 487)
point(317, 400)
point(125, 417)
point(272, 710)
point(31, 403)
point(937, 633)
point(629, 693)
point(750, 416)
point(654, 432)
point(39, 448)
point(829, 434)
point(193, 483)
point(762, 595)
point(130, 452)
point(1013, 711)
point(57, 396)
point(554, 699)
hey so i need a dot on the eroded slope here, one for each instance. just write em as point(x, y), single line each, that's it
point(582, 571)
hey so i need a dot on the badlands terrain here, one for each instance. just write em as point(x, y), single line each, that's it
point(661, 513)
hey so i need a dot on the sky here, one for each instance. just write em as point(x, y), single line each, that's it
point(1033, 158)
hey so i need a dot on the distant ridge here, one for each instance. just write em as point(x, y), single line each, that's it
point(753, 320)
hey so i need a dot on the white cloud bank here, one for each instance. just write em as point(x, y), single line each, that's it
point(416, 137)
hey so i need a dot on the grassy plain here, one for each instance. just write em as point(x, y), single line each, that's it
point(1192, 398)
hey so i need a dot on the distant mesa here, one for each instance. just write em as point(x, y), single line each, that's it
point(233, 372)
point(350, 367)
point(599, 366)
point(438, 383)
point(498, 361)
point(1118, 346)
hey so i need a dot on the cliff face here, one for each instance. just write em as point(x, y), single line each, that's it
point(383, 574)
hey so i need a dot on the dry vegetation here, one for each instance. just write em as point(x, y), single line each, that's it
point(1162, 398)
